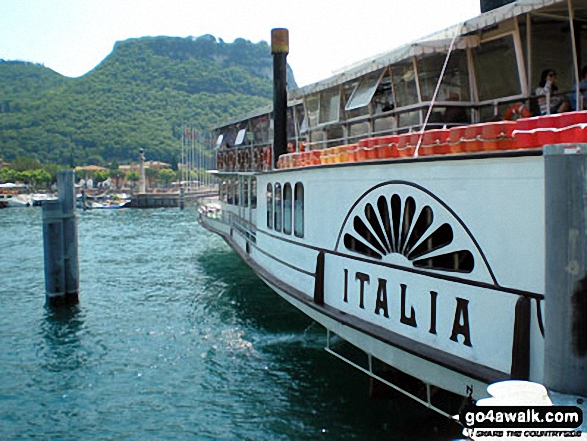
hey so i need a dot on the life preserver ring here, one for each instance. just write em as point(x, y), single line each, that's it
point(266, 158)
point(517, 111)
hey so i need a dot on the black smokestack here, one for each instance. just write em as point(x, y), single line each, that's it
point(279, 49)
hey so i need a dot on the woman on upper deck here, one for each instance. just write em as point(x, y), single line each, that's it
point(549, 101)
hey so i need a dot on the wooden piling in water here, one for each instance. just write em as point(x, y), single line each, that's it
point(60, 244)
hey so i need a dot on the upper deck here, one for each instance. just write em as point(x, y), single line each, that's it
point(475, 72)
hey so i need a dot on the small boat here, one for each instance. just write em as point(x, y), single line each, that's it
point(13, 195)
point(39, 198)
point(109, 205)
point(17, 200)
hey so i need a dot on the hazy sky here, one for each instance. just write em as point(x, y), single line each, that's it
point(74, 36)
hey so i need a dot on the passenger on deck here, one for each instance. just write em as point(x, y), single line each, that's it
point(582, 91)
point(549, 101)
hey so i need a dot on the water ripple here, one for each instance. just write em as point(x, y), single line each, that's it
point(174, 338)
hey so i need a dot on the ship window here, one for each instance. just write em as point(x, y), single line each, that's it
point(364, 91)
point(269, 205)
point(229, 192)
point(245, 192)
point(287, 203)
point(312, 105)
point(409, 120)
point(278, 208)
point(455, 82)
point(254, 193)
point(404, 84)
point(384, 125)
point(329, 105)
point(348, 90)
point(318, 139)
point(223, 191)
point(359, 130)
point(497, 59)
point(236, 192)
point(299, 210)
point(550, 38)
point(240, 137)
point(300, 118)
point(261, 129)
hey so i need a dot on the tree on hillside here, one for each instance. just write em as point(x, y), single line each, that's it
point(167, 176)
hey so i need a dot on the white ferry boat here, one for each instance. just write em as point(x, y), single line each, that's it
point(420, 207)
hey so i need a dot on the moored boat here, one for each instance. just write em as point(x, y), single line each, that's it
point(13, 195)
point(17, 200)
point(109, 205)
point(394, 204)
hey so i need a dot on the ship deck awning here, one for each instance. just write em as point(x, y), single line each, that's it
point(468, 36)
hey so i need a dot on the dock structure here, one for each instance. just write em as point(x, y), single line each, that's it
point(170, 200)
point(155, 200)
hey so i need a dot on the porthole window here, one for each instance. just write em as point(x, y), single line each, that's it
point(278, 208)
point(287, 205)
point(269, 205)
point(299, 210)
point(254, 193)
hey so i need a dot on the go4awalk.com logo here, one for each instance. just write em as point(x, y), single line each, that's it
point(521, 422)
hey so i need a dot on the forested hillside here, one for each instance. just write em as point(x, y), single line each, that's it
point(140, 96)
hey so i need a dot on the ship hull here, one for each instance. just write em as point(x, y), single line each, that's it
point(458, 328)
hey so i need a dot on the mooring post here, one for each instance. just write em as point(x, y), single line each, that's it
point(565, 330)
point(60, 244)
point(181, 198)
point(53, 250)
point(66, 189)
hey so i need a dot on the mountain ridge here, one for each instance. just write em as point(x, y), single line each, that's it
point(141, 95)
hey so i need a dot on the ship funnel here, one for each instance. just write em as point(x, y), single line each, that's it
point(565, 328)
point(279, 50)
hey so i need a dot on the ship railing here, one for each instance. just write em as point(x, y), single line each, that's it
point(250, 158)
point(531, 132)
point(257, 157)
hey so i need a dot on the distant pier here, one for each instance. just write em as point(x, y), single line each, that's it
point(168, 200)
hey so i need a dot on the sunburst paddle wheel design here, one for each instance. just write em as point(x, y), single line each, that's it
point(403, 224)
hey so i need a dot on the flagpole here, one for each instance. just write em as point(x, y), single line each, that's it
point(182, 157)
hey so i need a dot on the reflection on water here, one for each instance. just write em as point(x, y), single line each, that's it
point(174, 338)
point(61, 349)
